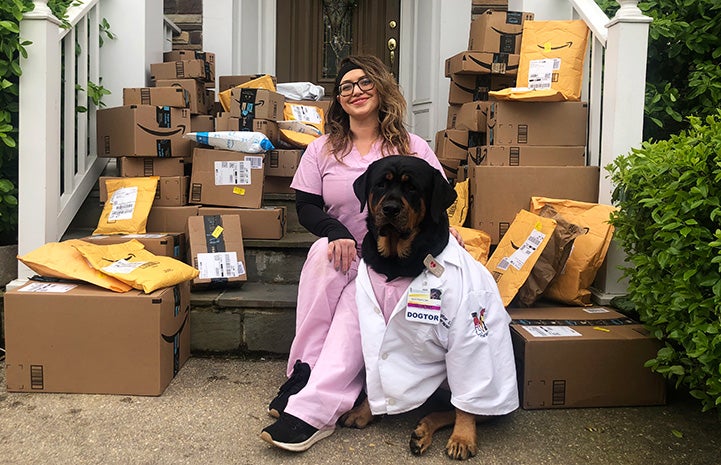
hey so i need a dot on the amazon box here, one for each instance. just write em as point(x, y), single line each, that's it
point(200, 99)
point(471, 87)
point(469, 62)
point(450, 167)
point(528, 155)
point(583, 357)
point(452, 116)
point(215, 248)
point(159, 96)
point(537, 123)
point(225, 178)
point(134, 167)
point(472, 116)
point(225, 122)
point(256, 103)
point(80, 338)
point(182, 69)
point(498, 193)
point(257, 223)
point(143, 131)
point(498, 31)
point(170, 219)
point(282, 163)
point(454, 143)
point(208, 59)
point(165, 244)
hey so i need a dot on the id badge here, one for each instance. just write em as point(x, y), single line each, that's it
point(424, 306)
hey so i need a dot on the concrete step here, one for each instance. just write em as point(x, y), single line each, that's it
point(257, 317)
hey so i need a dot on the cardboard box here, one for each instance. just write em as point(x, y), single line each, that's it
point(228, 82)
point(215, 248)
point(165, 244)
point(225, 178)
point(471, 87)
point(170, 219)
point(257, 223)
point(482, 63)
point(208, 59)
point(454, 143)
point(200, 99)
point(452, 116)
point(79, 338)
point(143, 131)
point(256, 103)
point(171, 190)
point(160, 96)
point(498, 31)
point(282, 163)
point(202, 123)
point(583, 357)
point(278, 185)
point(472, 116)
point(133, 167)
point(450, 167)
point(497, 193)
point(225, 122)
point(537, 123)
point(182, 69)
point(528, 155)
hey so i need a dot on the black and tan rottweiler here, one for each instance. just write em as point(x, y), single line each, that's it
point(407, 201)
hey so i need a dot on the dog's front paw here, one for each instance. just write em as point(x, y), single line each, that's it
point(359, 417)
point(459, 448)
point(421, 438)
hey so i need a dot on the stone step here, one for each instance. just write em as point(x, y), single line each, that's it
point(257, 317)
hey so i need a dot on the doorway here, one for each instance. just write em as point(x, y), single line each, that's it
point(313, 36)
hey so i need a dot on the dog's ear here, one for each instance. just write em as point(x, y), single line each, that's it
point(360, 187)
point(443, 196)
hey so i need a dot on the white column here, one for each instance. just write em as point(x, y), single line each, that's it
point(39, 132)
point(139, 42)
point(623, 104)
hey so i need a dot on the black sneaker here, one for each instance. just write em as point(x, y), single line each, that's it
point(293, 434)
point(297, 381)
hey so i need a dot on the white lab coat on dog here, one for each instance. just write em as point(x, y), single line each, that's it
point(467, 342)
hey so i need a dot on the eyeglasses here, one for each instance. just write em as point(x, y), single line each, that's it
point(364, 84)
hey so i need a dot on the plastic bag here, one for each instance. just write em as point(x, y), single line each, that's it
point(238, 141)
point(301, 90)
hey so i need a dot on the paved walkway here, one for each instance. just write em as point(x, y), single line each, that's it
point(213, 411)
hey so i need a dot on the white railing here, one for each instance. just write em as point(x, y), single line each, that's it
point(58, 165)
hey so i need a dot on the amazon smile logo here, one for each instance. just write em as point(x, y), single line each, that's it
point(548, 47)
point(167, 133)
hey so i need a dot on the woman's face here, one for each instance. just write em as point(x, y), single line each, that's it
point(359, 104)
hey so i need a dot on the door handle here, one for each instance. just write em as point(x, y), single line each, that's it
point(392, 47)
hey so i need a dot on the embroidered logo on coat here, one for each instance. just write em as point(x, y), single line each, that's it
point(479, 323)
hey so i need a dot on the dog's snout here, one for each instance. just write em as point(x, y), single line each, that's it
point(391, 208)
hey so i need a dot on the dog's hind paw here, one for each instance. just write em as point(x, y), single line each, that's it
point(421, 439)
point(460, 449)
point(360, 417)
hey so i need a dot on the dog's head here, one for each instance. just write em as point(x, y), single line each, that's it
point(406, 198)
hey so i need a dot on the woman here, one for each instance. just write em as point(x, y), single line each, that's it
point(364, 123)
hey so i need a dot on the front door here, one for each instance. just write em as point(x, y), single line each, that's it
point(313, 36)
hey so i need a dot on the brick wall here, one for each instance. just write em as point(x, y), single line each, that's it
point(188, 16)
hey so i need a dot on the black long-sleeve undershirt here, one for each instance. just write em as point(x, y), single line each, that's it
point(313, 217)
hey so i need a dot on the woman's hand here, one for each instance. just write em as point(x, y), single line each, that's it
point(342, 252)
point(454, 232)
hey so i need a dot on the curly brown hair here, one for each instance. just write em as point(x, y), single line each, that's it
point(391, 114)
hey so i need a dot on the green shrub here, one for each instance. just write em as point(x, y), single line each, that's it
point(669, 224)
point(682, 72)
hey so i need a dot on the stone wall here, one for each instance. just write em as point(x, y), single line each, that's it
point(188, 16)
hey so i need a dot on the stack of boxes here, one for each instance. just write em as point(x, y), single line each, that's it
point(509, 151)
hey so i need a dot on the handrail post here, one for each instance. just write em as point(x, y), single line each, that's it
point(624, 87)
point(39, 132)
